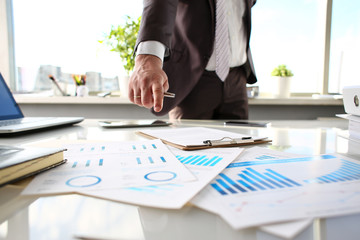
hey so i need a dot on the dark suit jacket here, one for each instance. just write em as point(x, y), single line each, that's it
point(187, 29)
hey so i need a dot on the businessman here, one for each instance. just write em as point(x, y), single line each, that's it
point(177, 50)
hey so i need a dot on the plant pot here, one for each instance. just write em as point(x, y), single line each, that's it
point(82, 91)
point(282, 89)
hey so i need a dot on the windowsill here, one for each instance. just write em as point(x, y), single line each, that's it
point(26, 99)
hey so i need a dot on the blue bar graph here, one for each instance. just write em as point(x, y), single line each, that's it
point(143, 147)
point(227, 187)
point(252, 180)
point(150, 160)
point(279, 161)
point(348, 171)
point(88, 163)
point(200, 160)
point(217, 188)
point(263, 157)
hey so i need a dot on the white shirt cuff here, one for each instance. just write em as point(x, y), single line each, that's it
point(151, 47)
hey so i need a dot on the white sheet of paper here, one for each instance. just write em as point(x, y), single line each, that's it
point(192, 135)
point(287, 230)
point(204, 164)
point(93, 166)
point(266, 190)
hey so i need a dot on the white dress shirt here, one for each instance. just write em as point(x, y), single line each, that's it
point(237, 34)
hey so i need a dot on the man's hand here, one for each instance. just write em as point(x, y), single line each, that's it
point(148, 82)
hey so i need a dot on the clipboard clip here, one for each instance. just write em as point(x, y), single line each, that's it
point(228, 141)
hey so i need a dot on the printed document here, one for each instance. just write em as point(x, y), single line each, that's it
point(94, 166)
point(261, 189)
point(204, 164)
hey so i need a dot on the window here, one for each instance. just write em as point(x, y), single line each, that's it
point(345, 48)
point(288, 32)
point(61, 37)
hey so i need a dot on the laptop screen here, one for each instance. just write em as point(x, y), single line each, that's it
point(8, 106)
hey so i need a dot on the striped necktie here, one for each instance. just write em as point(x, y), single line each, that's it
point(222, 47)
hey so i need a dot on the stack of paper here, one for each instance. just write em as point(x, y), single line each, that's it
point(261, 189)
point(144, 172)
point(354, 125)
point(251, 187)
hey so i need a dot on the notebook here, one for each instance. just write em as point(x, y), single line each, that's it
point(12, 119)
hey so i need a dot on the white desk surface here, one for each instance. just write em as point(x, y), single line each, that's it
point(80, 217)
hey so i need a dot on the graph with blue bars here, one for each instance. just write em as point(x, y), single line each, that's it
point(250, 180)
point(264, 175)
point(143, 147)
point(97, 148)
point(348, 171)
point(199, 160)
point(89, 163)
point(150, 160)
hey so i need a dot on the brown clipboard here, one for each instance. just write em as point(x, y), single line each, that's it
point(214, 143)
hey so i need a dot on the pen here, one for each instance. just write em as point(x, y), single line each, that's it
point(169, 94)
point(57, 85)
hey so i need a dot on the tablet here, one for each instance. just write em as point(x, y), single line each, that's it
point(247, 124)
point(132, 123)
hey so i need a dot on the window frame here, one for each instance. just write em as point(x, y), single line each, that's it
point(8, 61)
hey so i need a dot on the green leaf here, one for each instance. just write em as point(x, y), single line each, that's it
point(122, 39)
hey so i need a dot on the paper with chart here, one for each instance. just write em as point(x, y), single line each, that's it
point(256, 192)
point(204, 164)
point(93, 166)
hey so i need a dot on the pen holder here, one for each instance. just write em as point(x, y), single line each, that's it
point(82, 91)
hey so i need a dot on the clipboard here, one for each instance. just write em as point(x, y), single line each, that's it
point(195, 138)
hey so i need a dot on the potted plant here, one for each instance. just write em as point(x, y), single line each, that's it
point(283, 76)
point(122, 39)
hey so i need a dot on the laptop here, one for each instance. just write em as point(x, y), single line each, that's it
point(12, 119)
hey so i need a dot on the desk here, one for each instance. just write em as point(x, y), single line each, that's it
point(71, 216)
point(302, 108)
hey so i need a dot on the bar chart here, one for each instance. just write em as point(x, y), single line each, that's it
point(252, 180)
point(271, 174)
point(150, 160)
point(143, 147)
point(199, 160)
point(90, 149)
point(88, 163)
point(348, 171)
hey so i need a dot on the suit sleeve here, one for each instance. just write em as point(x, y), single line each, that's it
point(157, 21)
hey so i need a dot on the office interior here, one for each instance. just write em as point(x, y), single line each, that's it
point(56, 39)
